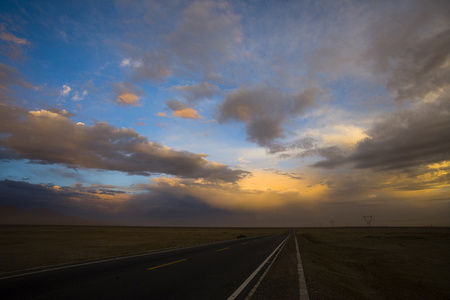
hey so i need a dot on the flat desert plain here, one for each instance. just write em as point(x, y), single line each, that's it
point(376, 263)
point(339, 263)
point(26, 247)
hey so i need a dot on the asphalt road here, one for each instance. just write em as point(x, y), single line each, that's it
point(212, 271)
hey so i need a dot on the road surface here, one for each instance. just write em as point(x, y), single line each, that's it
point(212, 271)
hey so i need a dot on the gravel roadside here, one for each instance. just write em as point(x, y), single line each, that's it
point(281, 281)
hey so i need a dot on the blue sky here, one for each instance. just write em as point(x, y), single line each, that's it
point(227, 113)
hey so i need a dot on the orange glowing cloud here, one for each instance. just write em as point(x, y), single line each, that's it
point(127, 99)
point(6, 36)
point(187, 113)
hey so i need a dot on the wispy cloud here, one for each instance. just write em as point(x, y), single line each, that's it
point(10, 77)
point(78, 97)
point(6, 36)
point(65, 90)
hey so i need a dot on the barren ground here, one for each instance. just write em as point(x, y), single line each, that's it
point(339, 263)
point(376, 263)
point(25, 247)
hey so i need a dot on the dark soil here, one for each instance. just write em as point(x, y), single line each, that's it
point(376, 263)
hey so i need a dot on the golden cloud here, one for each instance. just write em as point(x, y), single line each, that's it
point(186, 113)
point(127, 99)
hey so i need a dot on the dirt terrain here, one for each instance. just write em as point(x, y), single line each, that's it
point(25, 247)
point(339, 263)
point(376, 263)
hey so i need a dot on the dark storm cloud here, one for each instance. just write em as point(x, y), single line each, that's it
point(265, 110)
point(412, 47)
point(52, 138)
point(166, 204)
point(402, 140)
point(94, 201)
point(26, 195)
point(409, 48)
point(159, 204)
point(422, 70)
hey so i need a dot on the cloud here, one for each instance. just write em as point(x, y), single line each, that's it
point(403, 47)
point(12, 46)
point(203, 38)
point(10, 76)
point(265, 110)
point(187, 113)
point(51, 138)
point(412, 48)
point(125, 62)
point(6, 36)
point(402, 140)
point(179, 109)
point(78, 97)
point(147, 64)
point(287, 174)
point(65, 90)
point(92, 201)
point(127, 94)
point(196, 92)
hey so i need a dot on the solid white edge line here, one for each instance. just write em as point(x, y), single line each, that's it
point(246, 282)
point(301, 275)
point(255, 287)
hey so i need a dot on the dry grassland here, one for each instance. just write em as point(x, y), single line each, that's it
point(376, 263)
point(25, 247)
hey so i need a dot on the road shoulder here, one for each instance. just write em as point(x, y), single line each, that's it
point(281, 281)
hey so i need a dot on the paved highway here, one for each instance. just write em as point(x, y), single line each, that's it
point(214, 271)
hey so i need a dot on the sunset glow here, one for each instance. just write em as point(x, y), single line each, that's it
point(227, 113)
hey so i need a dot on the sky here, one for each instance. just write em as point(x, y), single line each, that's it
point(227, 113)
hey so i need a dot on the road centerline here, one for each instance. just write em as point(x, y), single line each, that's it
point(171, 263)
point(223, 249)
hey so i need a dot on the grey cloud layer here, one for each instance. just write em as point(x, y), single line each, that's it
point(265, 110)
point(48, 137)
point(201, 41)
point(196, 92)
point(410, 49)
point(404, 139)
point(10, 77)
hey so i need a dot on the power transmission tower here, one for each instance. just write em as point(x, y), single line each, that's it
point(332, 222)
point(368, 220)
